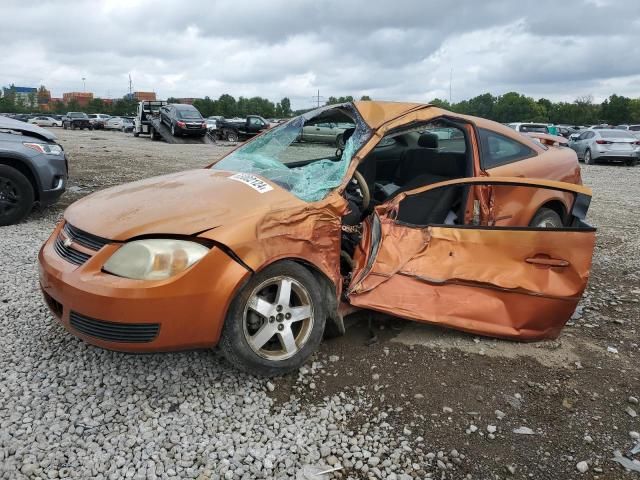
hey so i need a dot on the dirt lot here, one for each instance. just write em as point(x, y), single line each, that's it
point(429, 403)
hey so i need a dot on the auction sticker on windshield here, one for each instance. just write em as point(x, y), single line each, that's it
point(253, 181)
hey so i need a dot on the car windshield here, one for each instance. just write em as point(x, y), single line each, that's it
point(616, 134)
point(77, 115)
point(189, 115)
point(635, 128)
point(309, 170)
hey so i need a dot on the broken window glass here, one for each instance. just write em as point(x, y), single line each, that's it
point(308, 155)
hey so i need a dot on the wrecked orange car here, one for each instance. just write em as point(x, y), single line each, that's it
point(421, 213)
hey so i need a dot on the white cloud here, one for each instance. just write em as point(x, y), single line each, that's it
point(401, 50)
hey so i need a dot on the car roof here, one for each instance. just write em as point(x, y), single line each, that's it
point(376, 114)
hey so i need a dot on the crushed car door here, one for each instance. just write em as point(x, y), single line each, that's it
point(485, 273)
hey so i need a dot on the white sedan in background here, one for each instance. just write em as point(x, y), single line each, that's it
point(119, 123)
point(45, 122)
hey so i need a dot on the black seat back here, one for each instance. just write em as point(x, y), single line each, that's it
point(431, 207)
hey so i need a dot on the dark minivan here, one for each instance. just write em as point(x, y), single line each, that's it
point(183, 120)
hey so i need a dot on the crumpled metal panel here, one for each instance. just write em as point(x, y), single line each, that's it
point(473, 279)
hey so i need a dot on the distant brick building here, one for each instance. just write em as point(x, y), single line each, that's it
point(187, 100)
point(44, 96)
point(83, 98)
point(145, 96)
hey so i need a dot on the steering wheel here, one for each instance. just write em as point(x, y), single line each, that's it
point(364, 189)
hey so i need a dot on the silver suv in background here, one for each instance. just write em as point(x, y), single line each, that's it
point(33, 169)
point(606, 145)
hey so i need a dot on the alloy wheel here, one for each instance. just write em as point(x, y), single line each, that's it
point(9, 196)
point(278, 318)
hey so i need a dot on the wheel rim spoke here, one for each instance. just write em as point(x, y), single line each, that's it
point(284, 292)
point(300, 313)
point(287, 341)
point(266, 333)
point(261, 306)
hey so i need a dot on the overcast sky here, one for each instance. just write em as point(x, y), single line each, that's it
point(391, 50)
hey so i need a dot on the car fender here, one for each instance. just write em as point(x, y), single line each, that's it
point(23, 164)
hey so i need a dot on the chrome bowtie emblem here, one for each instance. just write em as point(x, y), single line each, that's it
point(67, 242)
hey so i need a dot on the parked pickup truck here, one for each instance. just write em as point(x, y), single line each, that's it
point(75, 120)
point(235, 130)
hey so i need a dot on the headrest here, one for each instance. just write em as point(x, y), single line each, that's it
point(428, 140)
point(346, 135)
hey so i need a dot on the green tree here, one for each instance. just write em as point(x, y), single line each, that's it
point(285, 107)
point(616, 109)
point(227, 106)
point(73, 105)
point(514, 107)
point(437, 102)
point(96, 105)
point(365, 98)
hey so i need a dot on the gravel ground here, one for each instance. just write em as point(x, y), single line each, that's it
point(413, 402)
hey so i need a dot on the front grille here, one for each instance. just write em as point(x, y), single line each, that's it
point(114, 332)
point(92, 242)
point(69, 254)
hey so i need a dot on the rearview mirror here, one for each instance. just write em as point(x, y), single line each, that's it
point(574, 136)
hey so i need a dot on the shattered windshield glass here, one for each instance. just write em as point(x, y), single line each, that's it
point(308, 156)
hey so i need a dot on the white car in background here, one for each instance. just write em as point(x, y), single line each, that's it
point(632, 129)
point(529, 127)
point(212, 122)
point(123, 124)
point(45, 122)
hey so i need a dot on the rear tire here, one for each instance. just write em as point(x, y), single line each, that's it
point(588, 159)
point(280, 343)
point(546, 218)
point(632, 162)
point(16, 196)
point(231, 136)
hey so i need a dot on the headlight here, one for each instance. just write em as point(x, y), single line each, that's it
point(154, 259)
point(46, 148)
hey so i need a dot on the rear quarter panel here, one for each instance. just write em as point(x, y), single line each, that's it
point(517, 207)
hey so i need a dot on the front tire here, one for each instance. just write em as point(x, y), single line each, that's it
point(588, 158)
point(275, 322)
point(546, 218)
point(16, 196)
point(231, 136)
point(632, 162)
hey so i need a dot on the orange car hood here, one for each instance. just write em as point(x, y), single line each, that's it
point(182, 203)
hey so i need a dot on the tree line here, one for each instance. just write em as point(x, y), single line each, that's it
point(514, 107)
point(510, 107)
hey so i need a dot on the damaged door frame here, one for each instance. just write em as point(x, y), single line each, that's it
point(515, 299)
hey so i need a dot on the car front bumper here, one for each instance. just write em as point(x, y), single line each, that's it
point(185, 311)
point(52, 171)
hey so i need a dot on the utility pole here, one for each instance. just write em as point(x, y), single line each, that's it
point(84, 85)
point(130, 88)
point(318, 98)
point(450, 81)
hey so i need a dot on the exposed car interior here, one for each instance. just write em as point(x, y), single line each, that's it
point(426, 154)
